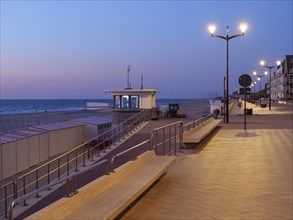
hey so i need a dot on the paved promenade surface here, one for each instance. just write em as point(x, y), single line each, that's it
point(237, 175)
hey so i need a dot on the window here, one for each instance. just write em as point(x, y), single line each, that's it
point(134, 102)
point(117, 103)
point(125, 101)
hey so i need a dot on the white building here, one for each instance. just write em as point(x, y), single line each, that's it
point(134, 98)
point(282, 80)
point(128, 102)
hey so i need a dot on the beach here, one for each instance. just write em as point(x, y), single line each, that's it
point(10, 122)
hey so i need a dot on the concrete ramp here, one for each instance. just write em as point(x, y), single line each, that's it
point(108, 196)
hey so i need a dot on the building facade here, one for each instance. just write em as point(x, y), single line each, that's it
point(282, 80)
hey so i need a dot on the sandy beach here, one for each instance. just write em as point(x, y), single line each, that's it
point(18, 121)
point(12, 122)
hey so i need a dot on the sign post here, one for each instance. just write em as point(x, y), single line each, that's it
point(245, 81)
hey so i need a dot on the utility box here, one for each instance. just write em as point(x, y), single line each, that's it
point(248, 111)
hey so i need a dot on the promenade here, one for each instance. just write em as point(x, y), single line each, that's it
point(238, 174)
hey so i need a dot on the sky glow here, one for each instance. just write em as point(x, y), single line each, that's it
point(78, 49)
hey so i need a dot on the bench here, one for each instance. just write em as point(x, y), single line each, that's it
point(109, 195)
point(197, 134)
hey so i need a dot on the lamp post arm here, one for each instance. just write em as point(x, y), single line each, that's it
point(237, 35)
point(270, 67)
point(219, 36)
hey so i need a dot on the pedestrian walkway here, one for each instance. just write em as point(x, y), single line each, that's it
point(239, 174)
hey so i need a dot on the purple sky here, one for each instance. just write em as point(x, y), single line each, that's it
point(78, 49)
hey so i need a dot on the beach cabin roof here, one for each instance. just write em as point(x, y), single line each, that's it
point(92, 120)
point(6, 139)
point(56, 126)
point(19, 135)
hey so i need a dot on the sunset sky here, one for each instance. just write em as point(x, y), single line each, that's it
point(78, 49)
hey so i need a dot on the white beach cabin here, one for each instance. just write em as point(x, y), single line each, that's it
point(128, 102)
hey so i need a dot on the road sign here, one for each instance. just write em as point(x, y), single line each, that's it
point(245, 80)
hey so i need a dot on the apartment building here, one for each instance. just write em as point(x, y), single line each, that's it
point(282, 80)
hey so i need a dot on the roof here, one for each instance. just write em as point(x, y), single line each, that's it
point(19, 135)
point(34, 131)
point(92, 120)
point(56, 126)
point(131, 91)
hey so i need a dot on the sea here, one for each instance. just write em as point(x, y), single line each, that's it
point(20, 106)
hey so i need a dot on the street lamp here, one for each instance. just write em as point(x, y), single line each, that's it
point(254, 89)
point(253, 86)
point(212, 29)
point(259, 76)
point(262, 63)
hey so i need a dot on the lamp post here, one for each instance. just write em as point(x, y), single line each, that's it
point(212, 29)
point(259, 76)
point(252, 86)
point(270, 67)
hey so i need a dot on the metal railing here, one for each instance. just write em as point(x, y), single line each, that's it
point(63, 165)
point(71, 186)
point(167, 139)
point(196, 123)
point(134, 152)
point(71, 179)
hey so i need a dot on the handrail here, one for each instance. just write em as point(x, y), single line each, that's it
point(167, 136)
point(76, 148)
point(13, 203)
point(77, 154)
point(175, 138)
point(198, 121)
point(168, 125)
point(124, 152)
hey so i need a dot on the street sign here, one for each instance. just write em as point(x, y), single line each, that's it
point(242, 91)
point(245, 80)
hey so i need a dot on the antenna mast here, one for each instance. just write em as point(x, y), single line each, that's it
point(141, 82)
point(128, 83)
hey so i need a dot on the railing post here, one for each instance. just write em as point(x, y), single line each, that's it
point(104, 144)
point(107, 168)
point(6, 201)
point(84, 152)
point(152, 140)
point(24, 191)
point(98, 148)
point(181, 137)
point(15, 188)
point(74, 185)
point(170, 141)
point(156, 141)
point(134, 154)
point(163, 141)
point(59, 169)
point(92, 151)
point(37, 182)
point(68, 168)
point(76, 162)
point(68, 187)
point(112, 164)
point(48, 173)
point(175, 145)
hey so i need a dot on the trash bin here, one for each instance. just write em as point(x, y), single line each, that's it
point(248, 111)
